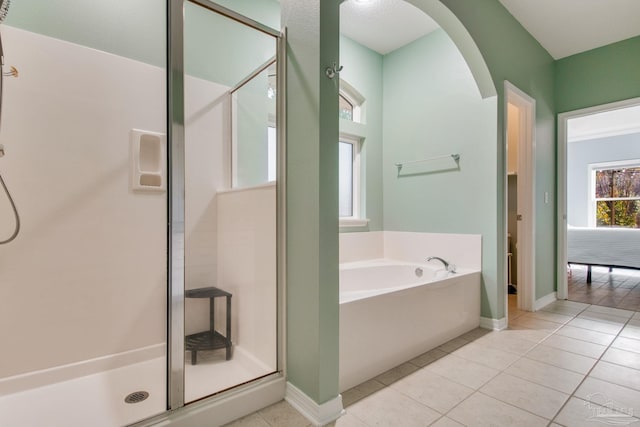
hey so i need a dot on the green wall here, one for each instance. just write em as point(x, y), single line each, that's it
point(432, 107)
point(136, 29)
point(363, 71)
point(600, 76)
point(266, 12)
point(215, 48)
point(312, 197)
point(512, 54)
point(219, 49)
point(251, 121)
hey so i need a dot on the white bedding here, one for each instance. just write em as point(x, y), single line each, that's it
point(604, 246)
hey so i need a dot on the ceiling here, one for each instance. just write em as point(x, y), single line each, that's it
point(567, 27)
point(384, 25)
point(563, 27)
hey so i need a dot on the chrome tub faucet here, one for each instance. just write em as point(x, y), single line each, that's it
point(451, 268)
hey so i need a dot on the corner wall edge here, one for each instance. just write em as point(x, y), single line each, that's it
point(318, 414)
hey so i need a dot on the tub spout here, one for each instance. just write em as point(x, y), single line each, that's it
point(451, 268)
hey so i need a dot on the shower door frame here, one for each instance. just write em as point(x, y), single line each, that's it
point(176, 199)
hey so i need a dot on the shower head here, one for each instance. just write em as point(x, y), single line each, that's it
point(4, 9)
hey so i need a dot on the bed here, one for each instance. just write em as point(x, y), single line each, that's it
point(603, 246)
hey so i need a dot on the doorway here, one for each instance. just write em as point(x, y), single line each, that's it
point(599, 198)
point(520, 203)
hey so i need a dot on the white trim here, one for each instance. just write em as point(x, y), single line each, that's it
point(545, 300)
point(70, 371)
point(356, 177)
point(493, 324)
point(526, 255)
point(250, 188)
point(233, 138)
point(561, 232)
point(354, 222)
point(318, 414)
point(355, 98)
point(606, 133)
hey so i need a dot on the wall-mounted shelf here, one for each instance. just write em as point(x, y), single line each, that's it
point(148, 161)
point(454, 157)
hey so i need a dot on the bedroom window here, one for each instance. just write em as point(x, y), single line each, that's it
point(616, 194)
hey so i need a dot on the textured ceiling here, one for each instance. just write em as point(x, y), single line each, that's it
point(384, 25)
point(563, 27)
point(567, 27)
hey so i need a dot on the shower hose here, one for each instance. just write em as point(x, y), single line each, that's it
point(15, 213)
point(4, 186)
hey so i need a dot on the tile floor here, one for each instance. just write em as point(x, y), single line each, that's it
point(619, 288)
point(570, 364)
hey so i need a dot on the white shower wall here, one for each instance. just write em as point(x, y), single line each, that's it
point(206, 171)
point(247, 269)
point(86, 277)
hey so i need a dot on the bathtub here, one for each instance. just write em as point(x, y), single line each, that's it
point(392, 311)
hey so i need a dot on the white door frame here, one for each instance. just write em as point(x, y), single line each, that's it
point(563, 118)
point(526, 253)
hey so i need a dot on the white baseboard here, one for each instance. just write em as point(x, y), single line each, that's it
point(57, 374)
point(318, 414)
point(493, 324)
point(545, 300)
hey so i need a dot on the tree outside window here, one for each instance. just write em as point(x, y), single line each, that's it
point(617, 197)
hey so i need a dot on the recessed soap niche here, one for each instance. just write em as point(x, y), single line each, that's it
point(148, 161)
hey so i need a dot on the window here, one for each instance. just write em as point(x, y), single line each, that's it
point(616, 194)
point(351, 103)
point(346, 108)
point(349, 178)
point(349, 182)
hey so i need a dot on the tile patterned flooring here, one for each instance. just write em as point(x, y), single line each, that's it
point(619, 289)
point(570, 364)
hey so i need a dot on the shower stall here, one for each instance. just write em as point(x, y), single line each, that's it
point(145, 151)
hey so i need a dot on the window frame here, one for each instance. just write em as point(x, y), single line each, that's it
point(353, 97)
point(593, 201)
point(356, 219)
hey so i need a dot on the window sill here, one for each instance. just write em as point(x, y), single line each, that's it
point(353, 222)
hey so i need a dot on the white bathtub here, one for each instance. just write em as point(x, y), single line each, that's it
point(393, 311)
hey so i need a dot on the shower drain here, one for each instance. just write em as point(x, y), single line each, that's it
point(136, 397)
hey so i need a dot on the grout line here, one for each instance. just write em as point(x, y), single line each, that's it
point(476, 391)
point(520, 356)
point(592, 368)
point(517, 407)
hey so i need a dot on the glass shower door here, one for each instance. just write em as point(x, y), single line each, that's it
point(230, 263)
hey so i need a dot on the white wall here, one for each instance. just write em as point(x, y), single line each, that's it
point(206, 172)
point(247, 267)
point(86, 277)
point(462, 250)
